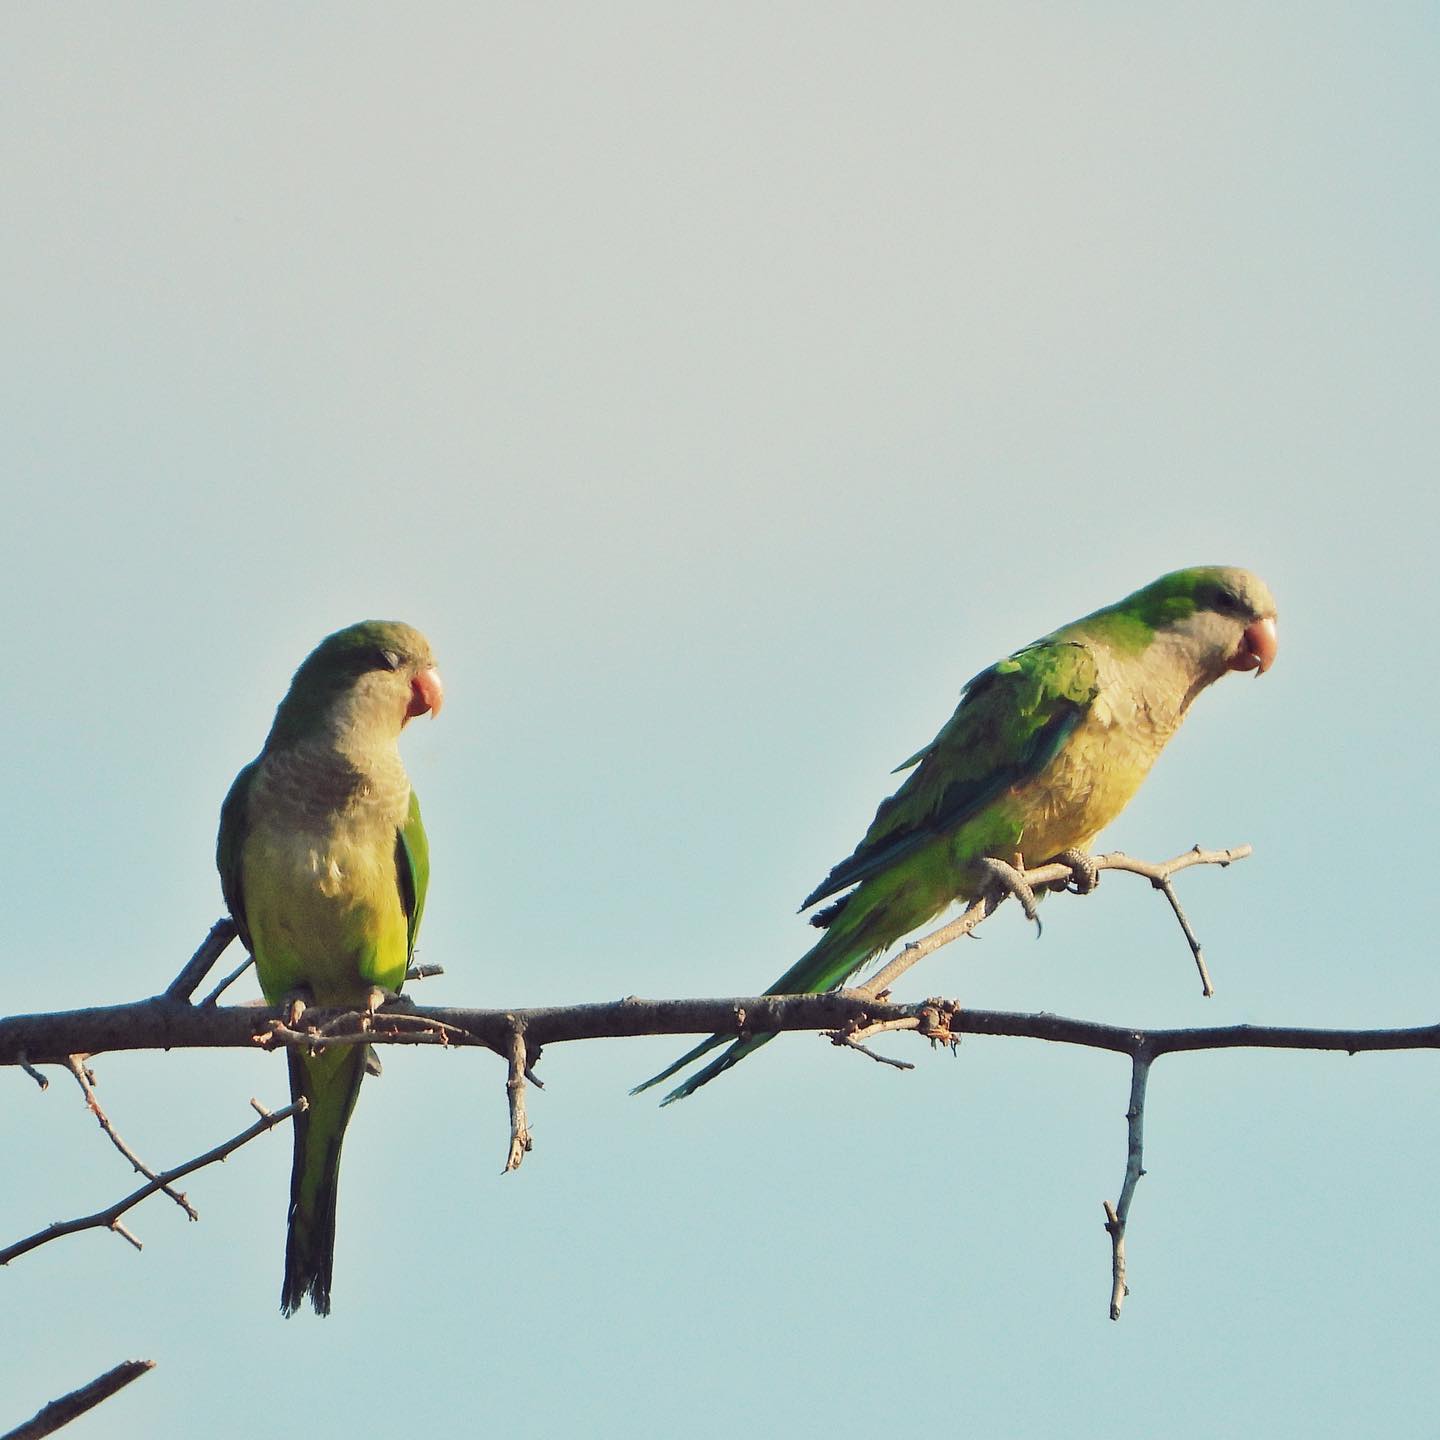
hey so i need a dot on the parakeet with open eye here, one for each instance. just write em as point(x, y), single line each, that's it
point(324, 866)
point(1044, 750)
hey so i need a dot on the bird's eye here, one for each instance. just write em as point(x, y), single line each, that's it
point(389, 659)
point(1227, 602)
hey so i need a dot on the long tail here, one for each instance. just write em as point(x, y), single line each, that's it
point(872, 917)
point(330, 1081)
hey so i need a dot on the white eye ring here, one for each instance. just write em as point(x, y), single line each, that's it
point(391, 659)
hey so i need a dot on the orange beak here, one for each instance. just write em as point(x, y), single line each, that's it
point(427, 694)
point(1257, 649)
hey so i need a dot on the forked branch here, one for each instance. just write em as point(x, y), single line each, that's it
point(109, 1218)
point(849, 1017)
point(1117, 1215)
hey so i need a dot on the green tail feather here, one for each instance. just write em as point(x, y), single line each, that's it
point(703, 1048)
point(738, 1050)
point(860, 930)
point(330, 1081)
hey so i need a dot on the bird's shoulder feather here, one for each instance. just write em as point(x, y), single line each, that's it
point(229, 844)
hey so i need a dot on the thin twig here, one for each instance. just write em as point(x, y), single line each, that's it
point(1158, 874)
point(838, 1037)
point(31, 1071)
point(229, 980)
point(917, 950)
point(1116, 1216)
point(423, 972)
point(62, 1411)
point(120, 1228)
point(520, 1140)
point(363, 1027)
point(195, 969)
point(934, 1020)
point(1167, 888)
point(109, 1217)
point(86, 1081)
point(881, 1027)
point(394, 1022)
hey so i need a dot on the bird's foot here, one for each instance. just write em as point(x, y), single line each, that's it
point(1007, 880)
point(1084, 872)
point(295, 1003)
point(378, 997)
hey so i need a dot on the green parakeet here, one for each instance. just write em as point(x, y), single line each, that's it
point(1043, 751)
point(324, 865)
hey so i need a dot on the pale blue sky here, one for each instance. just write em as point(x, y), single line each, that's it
point(719, 388)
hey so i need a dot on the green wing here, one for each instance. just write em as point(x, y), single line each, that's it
point(412, 866)
point(1011, 721)
point(234, 827)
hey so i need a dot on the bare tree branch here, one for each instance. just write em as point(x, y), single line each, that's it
point(77, 1402)
point(520, 1141)
point(157, 1024)
point(86, 1080)
point(109, 1218)
point(1059, 873)
point(917, 950)
point(848, 1017)
point(1117, 1215)
point(166, 1021)
point(197, 967)
point(227, 980)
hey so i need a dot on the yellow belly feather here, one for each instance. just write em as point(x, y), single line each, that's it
point(1097, 771)
point(324, 912)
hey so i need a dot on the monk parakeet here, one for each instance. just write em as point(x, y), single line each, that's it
point(1043, 751)
point(324, 864)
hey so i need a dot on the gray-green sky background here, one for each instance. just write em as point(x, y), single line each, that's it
point(719, 388)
